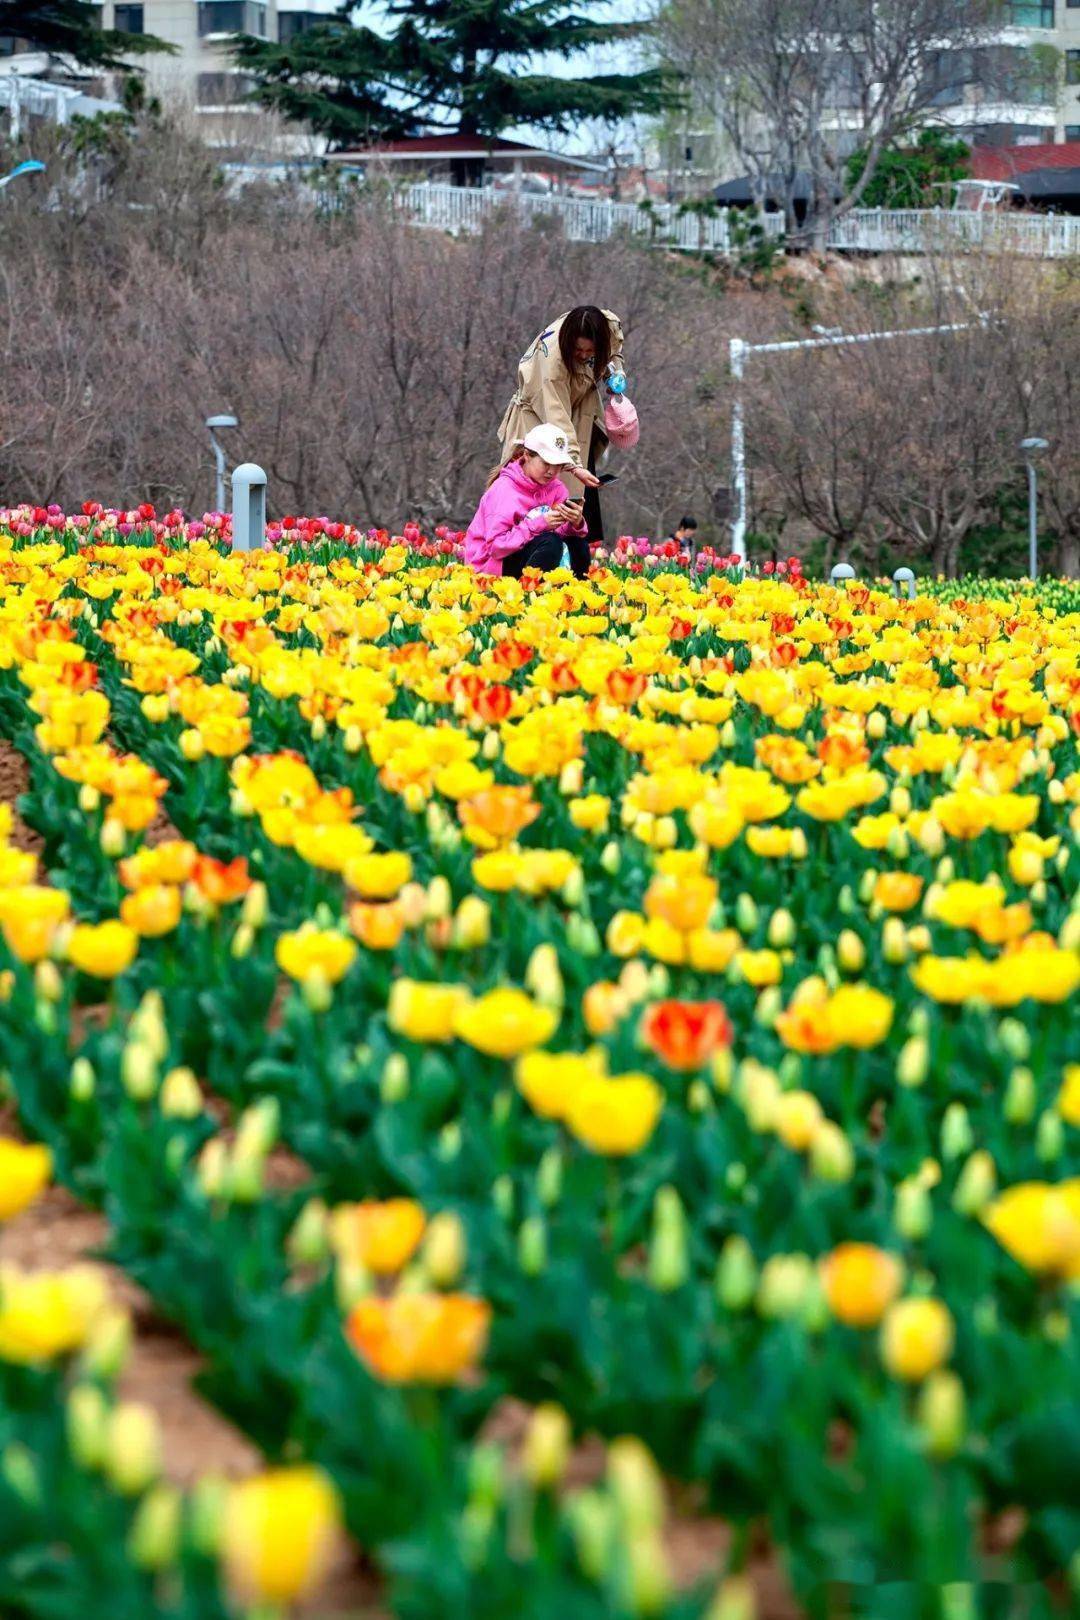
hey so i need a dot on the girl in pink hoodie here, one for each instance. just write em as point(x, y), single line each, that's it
point(524, 518)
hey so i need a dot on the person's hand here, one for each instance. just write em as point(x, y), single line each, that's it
point(567, 512)
point(584, 476)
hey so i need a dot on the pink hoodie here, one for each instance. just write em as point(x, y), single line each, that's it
point(508, 517)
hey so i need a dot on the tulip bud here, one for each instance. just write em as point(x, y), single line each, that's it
point(154, 1538)
point(308, 1242)
point(317, 991)
point(89, 799)
point(698, 1097)
point(549, 1175)
point(592, 1523)
point(894, 943)
point(832, 1157)
point(138, 1071)
point(736, 1274)
point(913, 1211)
point(900, 802)
point(132, 1458)
point(913, 1062)
point(448, 1146)
point(582, 936)
point(108, 1344)
point(1019, 1103)
point(213, 1168)
point(180, 1096)
point(242, 941)
point(19, 1471)
point(975, 1185)
point(440, 900)
point(850, 951)
point(958, 1601)
point(472, 924)
point(956, 1134)
point(113, 837)
point(759, 1093)
point(746, 914)
point(543, 977)
point(650, 1573)
point(721, 1069)
point(611, 858)
point(769, 1005)
point(444, 1249)
point(48, 985)
point(258, 1129)
point(572, 778)
point(931, 837)
point(353, 739)
point(85, 1421)
point(781, 929)
point(255, 907)
point(206, 1514)
point(192, 746)
point(532, 1246)
point(635, 1483)
point(394, 1081)
point(940, 1413)
point(784, 1285)
point(546, 1450)
point(83, 1081)
point(669, 1261)
point(1049, 1137)
point(735, 1598)
point(1015, 1039)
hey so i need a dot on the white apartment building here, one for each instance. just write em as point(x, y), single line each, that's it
point(201, 73)
point(1025, 86)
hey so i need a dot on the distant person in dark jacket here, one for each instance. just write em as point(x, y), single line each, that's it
point(685, 533)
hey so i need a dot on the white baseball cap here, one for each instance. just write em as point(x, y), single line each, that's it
point(551, 442)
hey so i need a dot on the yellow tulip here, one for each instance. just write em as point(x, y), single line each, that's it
point(504, 1023)
point(24, 1173)
point(280, 1532)
point(916, 1338)
point(104, 950)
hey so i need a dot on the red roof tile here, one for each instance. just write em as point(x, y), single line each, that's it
point(1005, 162)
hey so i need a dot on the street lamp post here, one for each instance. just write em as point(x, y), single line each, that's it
point(1033, 449)
point(739, 351)
point(213, 423)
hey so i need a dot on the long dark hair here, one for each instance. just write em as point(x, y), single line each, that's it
point(586, 321)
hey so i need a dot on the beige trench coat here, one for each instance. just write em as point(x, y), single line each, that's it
point(547, 392)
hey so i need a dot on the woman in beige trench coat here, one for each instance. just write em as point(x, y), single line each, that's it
point(558, 381)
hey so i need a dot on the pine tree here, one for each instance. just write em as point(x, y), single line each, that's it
point(70, 28)
point(448, 65)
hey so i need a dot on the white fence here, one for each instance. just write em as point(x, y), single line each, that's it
point(24, 99)
point(864, 230)
point(463, 208)
point(935, 230)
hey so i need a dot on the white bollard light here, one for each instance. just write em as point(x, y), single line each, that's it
point(904, 580)
point(841, 572)
point(248, 507)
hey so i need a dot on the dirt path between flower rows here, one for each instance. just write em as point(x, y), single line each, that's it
point(197, 1439)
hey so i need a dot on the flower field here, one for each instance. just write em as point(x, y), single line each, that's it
point(579, 1060)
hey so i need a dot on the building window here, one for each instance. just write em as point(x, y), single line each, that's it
point(1033, 13)
point(1072, 67)
point(129, 19)
point(291, 23)
point(222, 89)
point(1072, 132)
point(222, 17)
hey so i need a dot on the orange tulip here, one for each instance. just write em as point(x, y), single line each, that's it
point(498, 814)
point(420, 1338)
point(221, 881)
point(685, 1034)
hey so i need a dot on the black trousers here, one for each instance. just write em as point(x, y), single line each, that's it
point(591, 510)
point(544, 551)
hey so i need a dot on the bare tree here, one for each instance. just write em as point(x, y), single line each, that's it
point(795, 84)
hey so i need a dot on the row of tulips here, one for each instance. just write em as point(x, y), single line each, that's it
point(666, 992)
